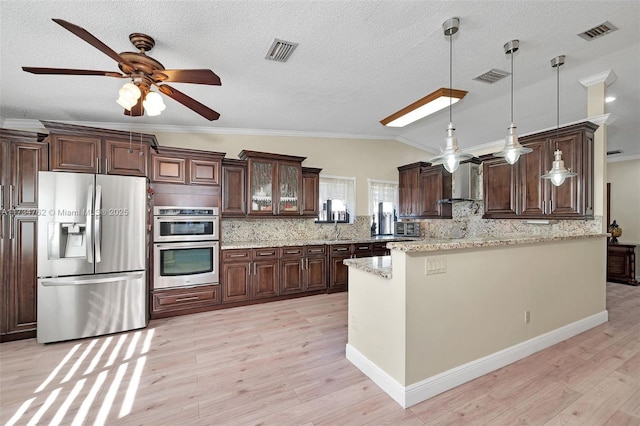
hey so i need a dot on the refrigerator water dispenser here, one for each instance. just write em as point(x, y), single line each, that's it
point(67, 240)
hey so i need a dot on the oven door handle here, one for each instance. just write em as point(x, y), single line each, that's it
point(186, 244)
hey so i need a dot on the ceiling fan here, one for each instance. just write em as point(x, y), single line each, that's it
point(143, 70)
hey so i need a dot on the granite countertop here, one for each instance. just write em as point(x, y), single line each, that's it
point(381, 265)
point(378, 265)
point(283, 243)
point(463, 243)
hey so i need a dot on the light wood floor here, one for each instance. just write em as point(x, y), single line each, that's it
point(283, 363)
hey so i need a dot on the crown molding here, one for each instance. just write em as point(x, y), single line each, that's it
point(617, 159)
point(607, 77)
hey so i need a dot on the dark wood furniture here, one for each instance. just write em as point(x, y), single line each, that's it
point(338, 271)
point(420, 187)
point(303, 268)
point(186, 166)
point(92, 150)
point(518, 192)
point(310, 191)
point(234, 188)
point(621, 263)
point(22, 155)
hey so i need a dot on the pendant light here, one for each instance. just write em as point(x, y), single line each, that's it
point(558, 172)
point(512, 149)
point(450, 156)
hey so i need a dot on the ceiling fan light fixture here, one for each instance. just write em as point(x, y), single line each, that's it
point(128, 96)
point(421, 108)
point(153, 104)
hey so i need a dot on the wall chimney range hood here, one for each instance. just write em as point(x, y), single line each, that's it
point(465, 183)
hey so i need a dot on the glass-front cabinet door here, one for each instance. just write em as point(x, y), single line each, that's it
point(261, 187)
point(289, 195)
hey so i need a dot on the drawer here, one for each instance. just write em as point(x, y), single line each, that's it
point(266, 253)
point(289, 252)
point(340, 249)
point(319, 250)
point(180, 298)
point(236, 255)
point(361, 248)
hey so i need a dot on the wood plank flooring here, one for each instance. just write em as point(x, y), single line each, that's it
point(283, 363)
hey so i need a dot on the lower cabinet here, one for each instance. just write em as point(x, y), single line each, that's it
point(184, 300)
point(338, 271)
point(303, 269)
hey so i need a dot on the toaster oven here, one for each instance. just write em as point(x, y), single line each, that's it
point(407, 229)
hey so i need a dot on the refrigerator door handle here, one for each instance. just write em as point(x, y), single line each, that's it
point(120, 277)
point(89, 229)
point(97, 221)
point(2, 197)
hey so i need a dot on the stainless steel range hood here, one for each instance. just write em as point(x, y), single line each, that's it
point(465, 183)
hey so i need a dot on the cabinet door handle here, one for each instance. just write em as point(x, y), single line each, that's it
point(2, 225)
point(254, 268)
point(550, 206)
point(301, 263)
point(97, 165)
point(184, 299)
point(1, 197)
point(11, 220)
point(11, 206)
point(106, 165)
point(307, 263)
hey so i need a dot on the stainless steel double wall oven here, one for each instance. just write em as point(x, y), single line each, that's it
point(185, 246)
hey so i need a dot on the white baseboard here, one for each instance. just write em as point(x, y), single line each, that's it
point(410, 395)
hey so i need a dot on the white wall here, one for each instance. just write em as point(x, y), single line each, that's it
point(624, 177)
point(362, 158)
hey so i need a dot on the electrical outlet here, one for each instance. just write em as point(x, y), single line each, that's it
point(435, 265)
point(527, 317)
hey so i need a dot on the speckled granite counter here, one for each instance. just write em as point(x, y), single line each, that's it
point(379, 265)
point(283, 243)
point(437, 245)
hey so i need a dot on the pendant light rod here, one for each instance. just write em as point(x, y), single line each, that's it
point(556, 63)
point(510, 48)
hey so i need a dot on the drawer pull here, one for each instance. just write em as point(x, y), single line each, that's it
point(341, 249)
point(237, 255)
point(269, 253)
point(363, 248)
point(184, 299)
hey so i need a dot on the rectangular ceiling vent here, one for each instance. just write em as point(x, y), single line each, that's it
point(492, 76)
point(614, 152)
point(598, 31)
point(280, 50)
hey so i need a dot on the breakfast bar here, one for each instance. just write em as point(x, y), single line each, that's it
point(438, 313)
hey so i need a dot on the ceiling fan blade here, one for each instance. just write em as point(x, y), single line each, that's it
point(89, 38)
point(68, 71)
point(189, 102)
point(201, 76)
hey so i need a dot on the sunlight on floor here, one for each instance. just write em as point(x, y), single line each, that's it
point(106, 383)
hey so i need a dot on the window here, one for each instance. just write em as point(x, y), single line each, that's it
point(337, 199)
point(383, 204)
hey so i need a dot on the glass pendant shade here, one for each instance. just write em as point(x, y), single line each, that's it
point(128, 96)
point(558, 172)
point(451, 156)
point(512, 149)
point(153, 104)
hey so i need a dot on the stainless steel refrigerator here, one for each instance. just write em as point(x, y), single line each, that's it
point(92, 255)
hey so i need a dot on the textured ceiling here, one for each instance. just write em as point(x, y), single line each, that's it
point(357, 62)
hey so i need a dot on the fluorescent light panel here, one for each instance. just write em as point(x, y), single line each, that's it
point(421, 108)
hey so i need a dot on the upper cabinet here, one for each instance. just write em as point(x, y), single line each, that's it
point(519, 192)
point(420, 187)
point(186, 166)
point(310, 191)
point(274, 184)
point(234, 184)
point(91, 150)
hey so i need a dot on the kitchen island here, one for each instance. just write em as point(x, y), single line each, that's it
point(438, 313)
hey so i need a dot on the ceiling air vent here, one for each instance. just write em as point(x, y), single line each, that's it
point(614, 152)
point(492, 76)
point(598, 31)
point(280, 50)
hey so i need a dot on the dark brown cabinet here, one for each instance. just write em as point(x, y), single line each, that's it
point(234, 188)
point(249, 274)
point(380, 249)
point(518, 191)
point(186, 166)
point(90, 150)
point(621, 263)
point(22, 155)
point(184, 300)
point(420, 186)
point(338, 271)
point(303, 268)
point(310, 191)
